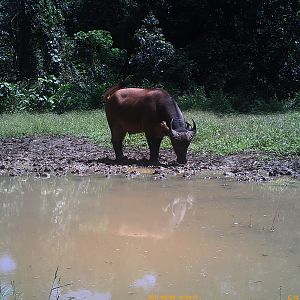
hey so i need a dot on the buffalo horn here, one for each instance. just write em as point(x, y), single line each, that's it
point(173, 133)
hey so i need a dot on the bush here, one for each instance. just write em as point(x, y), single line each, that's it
point(48, 94)
point(295, 102)
point(39, 95)
point(78, 97)
point(8, 99)
point(28, 95)
point(180, 71)
point(194, 98)
point(156, 60)
point(154, 53)
point(220, 101)
point(250, 101)
point(94, 57)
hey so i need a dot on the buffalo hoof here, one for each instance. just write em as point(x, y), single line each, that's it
point(121, 160)
point(181, 162)
point(154, 162)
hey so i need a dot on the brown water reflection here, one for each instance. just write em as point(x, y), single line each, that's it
point(126, 239)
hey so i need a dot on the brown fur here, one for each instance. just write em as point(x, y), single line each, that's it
point(135, 110)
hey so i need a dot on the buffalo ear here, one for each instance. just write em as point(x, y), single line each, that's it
point(164, 127)
point(188, 126)
point(191, 130)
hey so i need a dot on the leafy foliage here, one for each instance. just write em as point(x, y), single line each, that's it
point(80, 97)
point(94, 57)
point(245, 54)
point(157, 60)
point(195, 98)
point(49, 94)
point(154, 54)
point(48, 36)
point(7, 59)
point(216, 101)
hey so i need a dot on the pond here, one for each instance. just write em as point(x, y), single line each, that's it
point(118, 238)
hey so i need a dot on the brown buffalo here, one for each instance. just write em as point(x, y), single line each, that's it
point(153, 111)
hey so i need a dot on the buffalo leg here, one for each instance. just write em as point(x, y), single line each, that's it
point(154, 144)
point(117, 137)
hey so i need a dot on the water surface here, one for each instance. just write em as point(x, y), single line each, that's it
point(135, 239)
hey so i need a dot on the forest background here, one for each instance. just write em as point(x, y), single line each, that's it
point(220, 55)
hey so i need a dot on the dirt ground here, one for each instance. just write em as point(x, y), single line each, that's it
point(47, 156)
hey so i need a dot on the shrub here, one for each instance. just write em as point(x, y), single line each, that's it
point(49, 94)
point(220, 101)
point(78, 97)
point(94, 57)
point(156, 60)
point(14, 96)
point(154, 53)
point(7, 97)
point(295, 101)
point(194, 98)
point(40, 94)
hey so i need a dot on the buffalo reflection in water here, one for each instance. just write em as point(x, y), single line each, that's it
point(164, 224)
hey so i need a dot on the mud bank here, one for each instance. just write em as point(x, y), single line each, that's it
point(46, 156)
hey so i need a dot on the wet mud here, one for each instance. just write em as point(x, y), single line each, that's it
point(47, 156)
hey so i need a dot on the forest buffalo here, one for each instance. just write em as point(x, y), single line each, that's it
point(153, 111)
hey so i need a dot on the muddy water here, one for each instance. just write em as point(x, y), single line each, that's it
point(141, 239)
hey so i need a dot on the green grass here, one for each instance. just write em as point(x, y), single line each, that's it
point(89, 123)
point(277, 133)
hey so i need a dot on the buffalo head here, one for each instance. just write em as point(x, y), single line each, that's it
point(181, 139)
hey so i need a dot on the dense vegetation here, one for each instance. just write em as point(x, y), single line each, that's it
point(224, 55)
point(230, 133)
